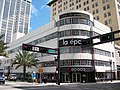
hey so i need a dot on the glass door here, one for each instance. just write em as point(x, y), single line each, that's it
point(65, 77)
point(76, 77)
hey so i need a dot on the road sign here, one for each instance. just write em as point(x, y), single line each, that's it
point(34, 48)
point(40, 70)
point(52, 51)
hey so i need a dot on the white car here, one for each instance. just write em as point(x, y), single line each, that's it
point(12, 77)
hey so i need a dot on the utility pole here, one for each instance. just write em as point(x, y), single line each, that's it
point(57, 60)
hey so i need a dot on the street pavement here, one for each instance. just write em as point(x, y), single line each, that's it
point(106, 85)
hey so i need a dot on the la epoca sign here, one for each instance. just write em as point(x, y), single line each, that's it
point(70, 42)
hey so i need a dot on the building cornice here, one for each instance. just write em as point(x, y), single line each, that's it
point(51, 2)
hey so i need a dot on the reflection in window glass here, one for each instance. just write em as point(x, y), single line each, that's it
point(76, 62)
point(61, 22)
point(68, 33)
point(68, 21)
point(75, 32)
point(74, 20)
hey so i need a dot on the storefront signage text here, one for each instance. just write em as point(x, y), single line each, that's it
point(70, 42)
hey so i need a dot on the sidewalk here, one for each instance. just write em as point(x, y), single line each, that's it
point(49, 84)
point(45, 84)
point(113, 81)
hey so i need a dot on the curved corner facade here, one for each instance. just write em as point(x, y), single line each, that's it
point(77, 64)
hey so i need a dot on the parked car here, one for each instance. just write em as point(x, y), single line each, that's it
point(12, 77)
point(2, 77)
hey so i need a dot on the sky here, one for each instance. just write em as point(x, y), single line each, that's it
point(40, 14)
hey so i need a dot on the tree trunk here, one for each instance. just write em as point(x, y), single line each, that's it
point(24, 71)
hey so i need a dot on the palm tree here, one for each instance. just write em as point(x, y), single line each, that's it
point(3, 47)
point(24, 59)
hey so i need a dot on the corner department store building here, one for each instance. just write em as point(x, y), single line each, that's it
point(74, 60)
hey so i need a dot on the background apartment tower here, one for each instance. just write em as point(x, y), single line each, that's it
point(14, 18)
point(105, 11)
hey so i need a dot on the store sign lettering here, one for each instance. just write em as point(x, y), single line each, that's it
point(70, 42)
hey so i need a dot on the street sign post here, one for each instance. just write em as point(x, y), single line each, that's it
point(40, 70)
point(39, 49)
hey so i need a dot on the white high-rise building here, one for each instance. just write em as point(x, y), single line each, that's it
point(14, 18)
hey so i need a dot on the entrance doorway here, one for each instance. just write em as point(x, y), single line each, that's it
point(65, 77)
point(76, 77)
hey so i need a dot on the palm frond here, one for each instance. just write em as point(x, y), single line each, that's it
point(3, 47)
point(17, 66)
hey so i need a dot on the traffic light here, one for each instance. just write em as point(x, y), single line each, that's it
point(57, 68)
point(56, 60)
point(106, 37)
point(1, 36)
point(86, 42)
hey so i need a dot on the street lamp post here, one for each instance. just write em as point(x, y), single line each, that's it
point(8, 70)
point(58, 61)
point(111, 69)
point(92, 53)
